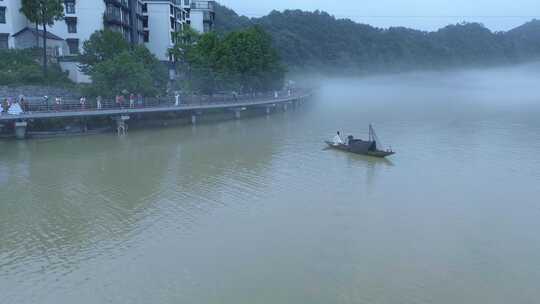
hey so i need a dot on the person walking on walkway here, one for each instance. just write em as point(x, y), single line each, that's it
point(58, 104)
point(15, 109)
point(82, 102)
point(23, 103)
point(140, 100)
point(6, 104)
point(98, 103)
point(119, 101)
point(3, 106)
point(176, 99)
point(45, 103)
point(132, 100)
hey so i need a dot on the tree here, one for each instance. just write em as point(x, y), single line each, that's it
point(184, 41)
point(102, 46)
point(248, 59)
point(114, 66)
point(317, 41)
point(123, 72)
point(157, 70)
point(21, 66)
point(203, 59)
point(241, 61)
point(43, 12)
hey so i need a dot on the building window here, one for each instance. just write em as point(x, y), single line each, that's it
point(4, 41)
point(2, 14)
point(145, 21)
point(146, 36)
point(73, 45)
point(70, 6)
point(145, 8)
point(71, 25)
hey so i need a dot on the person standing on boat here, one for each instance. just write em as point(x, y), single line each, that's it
point(338, 140)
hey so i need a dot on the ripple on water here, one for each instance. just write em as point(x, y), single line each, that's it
point(257, 210)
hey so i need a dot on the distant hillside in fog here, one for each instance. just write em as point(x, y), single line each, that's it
point(312, 40)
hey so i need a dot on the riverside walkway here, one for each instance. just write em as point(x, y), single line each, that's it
point(192, 107)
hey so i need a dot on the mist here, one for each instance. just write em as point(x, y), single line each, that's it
point(508, 85)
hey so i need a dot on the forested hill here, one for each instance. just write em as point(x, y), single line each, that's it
point(314, 40)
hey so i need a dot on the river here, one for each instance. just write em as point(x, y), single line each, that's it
point(257, 211)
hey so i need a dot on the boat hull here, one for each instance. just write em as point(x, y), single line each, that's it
point(346, 148)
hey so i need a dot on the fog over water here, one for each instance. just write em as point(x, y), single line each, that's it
point(257, 211)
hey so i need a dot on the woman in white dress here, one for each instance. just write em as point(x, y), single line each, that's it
point(15, 109)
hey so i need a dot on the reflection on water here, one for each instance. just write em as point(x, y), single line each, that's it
point(257, 210)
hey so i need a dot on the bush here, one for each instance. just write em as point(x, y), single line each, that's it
point(22, 67)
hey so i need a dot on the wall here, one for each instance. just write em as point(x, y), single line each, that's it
point(89, 15)
point(15, 21)
point(159, 27)
point(197, 20)
point(28, 39)
point(72, 67)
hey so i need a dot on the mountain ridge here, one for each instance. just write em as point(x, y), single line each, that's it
point(315, 40)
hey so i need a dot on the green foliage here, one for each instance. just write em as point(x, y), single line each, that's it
point(21, 67)
point(227, 20)
point(123, 72)
point(185, 40)
point(242, 61)
point(153, 66)
point(315, 40)
point(102, 46)
point(203, 60)
point(44, 12)
point(116, 66)
point(248, 58)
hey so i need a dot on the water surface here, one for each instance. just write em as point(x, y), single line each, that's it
point(256, 211)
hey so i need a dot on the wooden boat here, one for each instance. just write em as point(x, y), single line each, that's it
point(362, 147)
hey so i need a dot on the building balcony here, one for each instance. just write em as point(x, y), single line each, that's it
point(112, 18)
point(208, 17)
point(124, 4)
point(116, 19)
point(202, 5)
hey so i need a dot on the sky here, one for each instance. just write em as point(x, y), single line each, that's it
point(498, 15)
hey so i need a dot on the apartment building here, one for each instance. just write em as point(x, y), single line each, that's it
point(162, 18)
point(11, 21)
point(201, 15)
point(82, 18)
point(152, 22)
